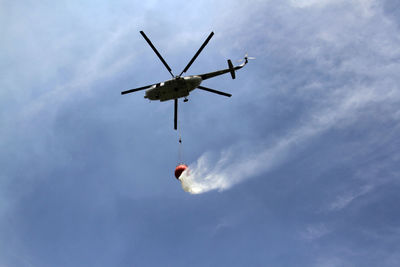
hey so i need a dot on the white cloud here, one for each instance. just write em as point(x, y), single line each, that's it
point(316, 231)
point(336, 62)
point(312, 3)
point(330, 262)
point(344, 200)
point(365, 6)
point(357, 53)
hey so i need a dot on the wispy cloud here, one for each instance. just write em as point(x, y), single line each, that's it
point(330, 262)
point(325, 86)
point(344, 200)
point(362, 75)
point(316, 231)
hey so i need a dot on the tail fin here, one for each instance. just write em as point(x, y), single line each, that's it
point(231, 69)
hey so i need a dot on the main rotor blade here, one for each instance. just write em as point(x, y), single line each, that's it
point(136, 89)
point(198, 52)
point(176, 114)
point(158, 54)
point(214, 91)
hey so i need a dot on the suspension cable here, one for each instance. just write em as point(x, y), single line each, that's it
point(180, 145)
point(180, 152)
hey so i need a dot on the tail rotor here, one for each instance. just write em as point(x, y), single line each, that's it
point(246, 58)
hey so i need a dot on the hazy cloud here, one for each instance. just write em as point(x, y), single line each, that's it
point(314, 119)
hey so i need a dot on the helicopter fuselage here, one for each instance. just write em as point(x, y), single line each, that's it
point(172, 89)
point(179, 86)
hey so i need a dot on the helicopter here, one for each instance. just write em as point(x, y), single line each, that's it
point(179, 86)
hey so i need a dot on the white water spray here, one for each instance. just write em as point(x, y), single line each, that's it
point(233, 166)
point(240, 162)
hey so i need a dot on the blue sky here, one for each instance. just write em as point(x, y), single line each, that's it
point(300, 167)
